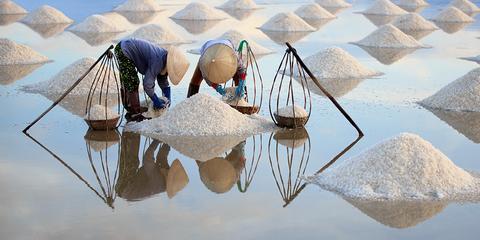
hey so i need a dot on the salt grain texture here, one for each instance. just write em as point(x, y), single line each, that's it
point(199, 11)
point(412, 3)
point(453, 14)
point(388, 36)
point(290, 111)
point(100, 112)
point(46, 15)
point(313, 11)
point(384, 7)
point(287, 22)
point(462, 94)
point(97, 24)
point(203, 115)
point(333, 3)
point(413, 22)
point(403, 167)
point(465, 6)
point(15, 53)
point(158, 34)
point(9, 7)
point(120, 21)
point(239, 4)
point(138, 6)
point(235, 37)
point(230, 98)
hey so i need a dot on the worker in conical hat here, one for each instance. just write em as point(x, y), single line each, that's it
point(155, 63)
point(218, 63)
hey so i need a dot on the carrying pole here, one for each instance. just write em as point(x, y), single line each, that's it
point(67, 91)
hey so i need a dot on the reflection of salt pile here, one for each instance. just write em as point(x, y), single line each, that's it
point(9, 7)
point(46, 15)
point(239, 4)
point(138, 6)
point(11, 73)
point(388, 55)
point(384, 7)
point(333, 3)
point(412, 3)
point(199, 11)
point(292, 111)
point(235, 37)
point(14, 53)
point(388, 36)
point(100, 112)
point(465, 6)
point(98, 24)
point(466, 123)
point(462, 94)
point(120, 21)
point(203, 115)
point(413, 22)
point(159, 35)
point(402, 167)
point(453, 14)
point(314, 12)
point(287, 22)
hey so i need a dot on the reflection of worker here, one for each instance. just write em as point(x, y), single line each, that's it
point(219, 62)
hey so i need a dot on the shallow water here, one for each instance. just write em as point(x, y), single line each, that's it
point(73, 196)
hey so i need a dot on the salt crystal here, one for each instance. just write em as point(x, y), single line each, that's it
point(9, 7)
point(313, 11)
point(333, 3)
point(97, 24)
point(388, 36)
point(413, 22)
point(462, 94)
point(15, 53)
point(138, 6)
point(453, 14)
point(290, 111)
point(236, 37)
point(412, 3)
point(403, 167)
point(160, 35)
point(46, 15)
point(384, 7)
point(287, 22)
point(199, 11)
point(100, 112)
point(465, 6)
point(120, 21)
point(239, 4)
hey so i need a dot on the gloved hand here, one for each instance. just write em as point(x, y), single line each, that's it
point(220, 90)
point(240, 89)
point(158, 103)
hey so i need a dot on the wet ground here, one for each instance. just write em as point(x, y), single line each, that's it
point(84, 185)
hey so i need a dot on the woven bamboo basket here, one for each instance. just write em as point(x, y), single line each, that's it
point(108, 124)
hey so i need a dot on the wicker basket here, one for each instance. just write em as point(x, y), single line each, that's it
point(246, 109)
point(109, 124)
point(94, 135)
point(290, 122)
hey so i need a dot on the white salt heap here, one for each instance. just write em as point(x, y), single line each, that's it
point(336, 63)
point(287, 22)
point(230, 98)
point(313, 11)
point(413, 22)
point(199, 11)
point(14, 53)
point(384, 7)
point(462, 94)
point(400, 168)
point(9, 7)
point(202, 115)
point(239, 5)
point(158, 34)
point(412, 3)
point(139, 6)
point(97, 24)
point(46, 15)
point(465, 6)
point(290, 111)
point(120, 21)
point(235, 37)
point(333, 3)
point(453, 14)
point(100, 112)
point(388, 36)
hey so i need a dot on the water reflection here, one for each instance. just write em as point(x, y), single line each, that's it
point(6, 19)
point(12, 73)
point(466, 123)
point(418, 34)
point(451, 27)
point(282, 37)
point(413, 9)
point(95, 39)
point(139, 17)
point(48, 30)
point(379, 20)
point(76, 104)
point(337, 87)
point(251, 163)
point(335, 10)
point(387, 56)
point(195, 26)
point(318, 23)
point(240, 14)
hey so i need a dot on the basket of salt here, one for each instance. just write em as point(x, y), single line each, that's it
point(240, 104)
point(101, 118)
point(291, 117)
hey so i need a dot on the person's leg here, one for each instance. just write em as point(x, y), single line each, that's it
point(194, 86)
point(129, 81)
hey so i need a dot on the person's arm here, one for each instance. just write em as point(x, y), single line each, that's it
point(149, 88)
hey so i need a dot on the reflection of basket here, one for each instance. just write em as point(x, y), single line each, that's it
point(102, 136)
point(290, 122)
point(108, 124)
point(247, 109)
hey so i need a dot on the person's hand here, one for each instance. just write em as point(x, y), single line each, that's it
point(159, 103)
point(240, 89)
point(220, 90)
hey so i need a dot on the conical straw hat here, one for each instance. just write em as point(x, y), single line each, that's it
point(177, 178)
point(219, 63)
point(218, 175)
point(177, 65)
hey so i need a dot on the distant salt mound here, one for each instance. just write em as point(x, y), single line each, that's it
point(203, 115)
point(236, 36)
point(412, 3)
point(46, 15)
point(14, 53)
point(287, 22)
point(158, 34)
point(333, 3)
point(465, 6)
point(199, 11)
point(388, 36)
point(413, 22)
point(97, 24)
point(384, 7)
point(9, 7)
point(400, 168)
point(139, 6)
point(453, 14)
point(239, 5)
point(120, 21)
point(336, 63)
point(462, 94)
point(313, 11)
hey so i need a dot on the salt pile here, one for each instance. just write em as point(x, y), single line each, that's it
point(46, 15)
point(236, 37)
point(336, 63)
point(333, 3)
point(14, 53)
point(384, 7)
point(473, 59)
point(290, 111)
point(100, 112)
point(97, 24)
point(388, 36)
point(9, 7)
point(239, 4)
point(413, 22)
point(466, 6)
point(412, 3)
point(453, 14)
point(230, 99)
point(120, 21)
point(462, 94)
point(403, 167)
point(287, 22)
point(158, 34)
point(139, 6)
point(313, 11)
point(203, 115)
point(199, 11)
